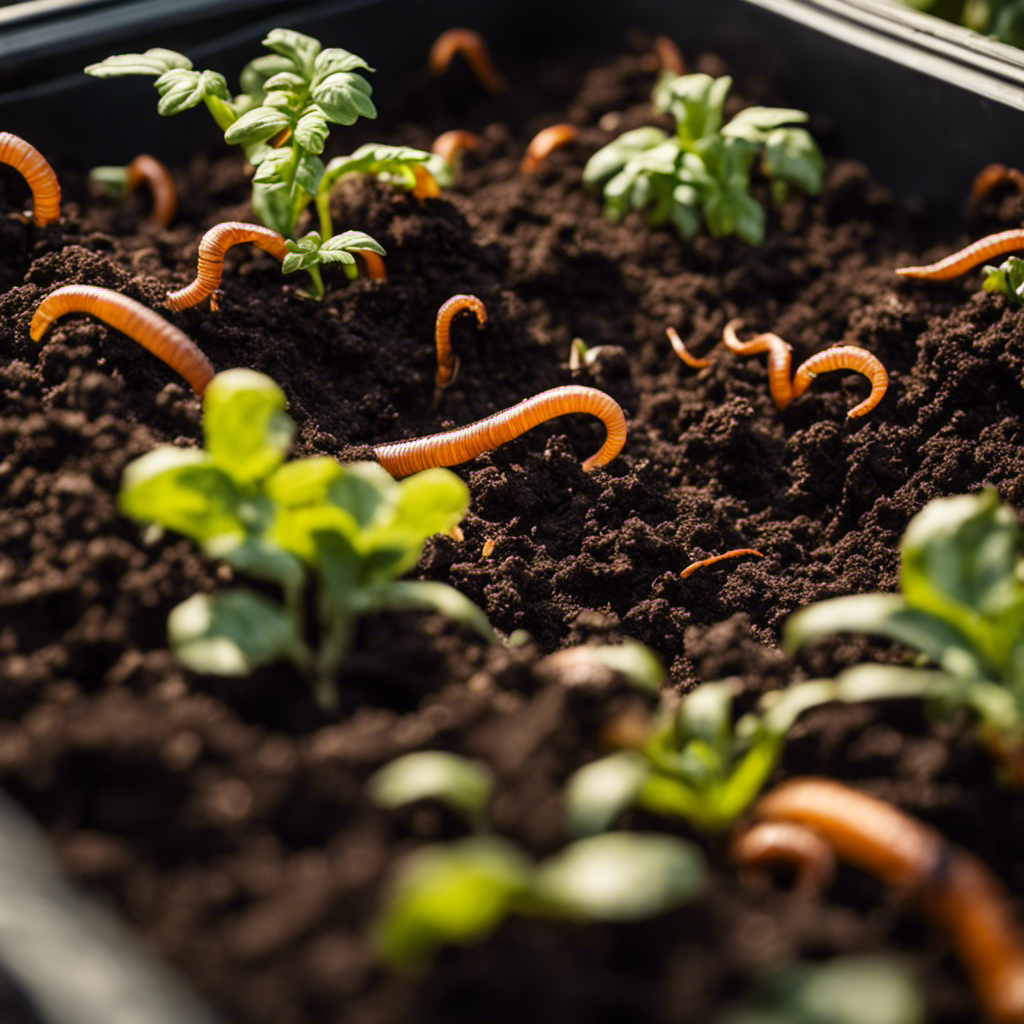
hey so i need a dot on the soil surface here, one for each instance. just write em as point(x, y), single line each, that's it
point(227, 819)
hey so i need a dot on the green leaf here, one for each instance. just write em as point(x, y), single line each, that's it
point(304, 481)
point(695, 101)
point(735, 213)
point(755, 122)
point(309, 250)
point(462, 784)
point(792, 156)
point(353, 241)
point(449, 894)
point(746, 780)
point(181, 489)
point(335, 59)
point(1007, 279)
point(181, 89)
point(231, 633)
point(620, 876)
point(302, 50)
point(258, 125)
point(364, 490)
point(284, 81)
point(259, 558)
point(246, 428)
point(612, 158)
point(344, 97)
point(311, 131)
point(599, 792)
point(153, 62)
point(686, 217)
point(112, 181)
point(260, 70)
point(426, 595)
point(273, 207)
point(297, 529)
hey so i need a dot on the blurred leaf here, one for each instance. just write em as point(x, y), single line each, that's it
point(433, 774)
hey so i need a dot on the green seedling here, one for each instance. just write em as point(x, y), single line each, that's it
point(1007, 279)
point(281, 119)
point(333, 537)
point(961, 605)
point(311, 251)
point(701, 174)
point(459, 892)
point(847, 990)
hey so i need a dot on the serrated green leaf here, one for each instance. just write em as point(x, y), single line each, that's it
point(153, 62)
point(335, 59)
point(181, 89)
point(300, 49)
point(270, 173)
point(309, 172)
point(343, 97)
point(354, 241)
point(463, 785)
point(599, 792)
point(231, 633)
point(311, 131)
point(258, 125)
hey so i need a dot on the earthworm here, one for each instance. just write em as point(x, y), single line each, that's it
point(679, 348)
point(735, 553)
point(451, 144)
point(669, 56)
point(211, 259)
point(473, 49)
point(32, 166)
point(964, 259)
point(772, 842)
point(992, 176)
point(845, 357)
point(139, 322)
point(146, 168)
point(426, 187)
point(778, 360)
point(447, 360)
point(372, 264)
point(954, 886)
point(546, 140)
point(452, 447)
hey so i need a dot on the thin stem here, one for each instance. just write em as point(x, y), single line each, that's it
point(323, 209)
point(339, 632)
point(222, 111)
point(317, 291)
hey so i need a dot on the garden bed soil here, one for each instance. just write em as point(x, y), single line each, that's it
point(227, 819)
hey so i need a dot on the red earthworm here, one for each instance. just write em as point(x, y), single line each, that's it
point(735, 553)
point(372, 264)
point(211, 259)
point(447, 360)
point(426, 187)
point(772, 842)
point(29, 162)
point(971, 256)
point(400, 458)
point(778, 360)
point(473, 49)
point(845, 357)
point(146, 168)
point(679, 348)
point(451, 144)
point(954, 886)
point(546, 140)
point(669, 56)
point(991, 177)
point(139, 322)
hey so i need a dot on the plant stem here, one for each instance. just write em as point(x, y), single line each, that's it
point(338, 635)
point(317, 291)
point(222, 111)
point(323, 209)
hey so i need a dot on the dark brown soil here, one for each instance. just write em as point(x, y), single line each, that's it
point(227, 819)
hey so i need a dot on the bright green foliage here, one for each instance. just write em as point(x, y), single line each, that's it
point(300, 88)
point(458, 893)
point(961, 605)
point(1006, 279)
point(310, 251)
point(701, 174)
point(348, 529)
point(847, 990)
point(1003, 19)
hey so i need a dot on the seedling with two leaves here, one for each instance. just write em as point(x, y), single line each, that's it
point(331, 536)
point(702, 173)
point(458, 893)
point(1007, 279)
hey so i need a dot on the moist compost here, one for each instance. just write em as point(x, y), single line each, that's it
point(227, 819)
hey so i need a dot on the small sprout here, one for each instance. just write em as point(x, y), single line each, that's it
point(447, 360)
point(464, 443)
point(1007, 279)
point(961, 605)
point(474, 51)
point(669, 57)
point(954, 886)
point(32, 166)
point(139, 322)
point(971, 256)
point(990, 178)
point(346, 531)
point(845, 357)
point(735, 553)
point(450, 146)
point(122, 181)
point(463, 785)
point(309, 252)
point(694, 362)
point(578, 350)
point(701, 174)
point(544, 143)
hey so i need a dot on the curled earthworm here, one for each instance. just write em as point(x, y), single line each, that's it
point(735, 553)
point(447, 360)
point(697, 363)
point(542, 144)
point(426, 186)
point(400, 458)
point(954, 886)
point(372, 264)
point(139, 322)
point(473, 49)
point(845, 357)
point(146, 168)
point(991, 177)
point(778, 360)
point(212, 247)
point(774, 842)
point(669, 56)
point(971, 256)
point(451, 145)
point(29, 162)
